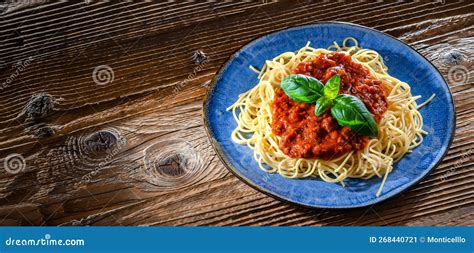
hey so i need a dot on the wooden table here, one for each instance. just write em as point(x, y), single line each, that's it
point(101, 112)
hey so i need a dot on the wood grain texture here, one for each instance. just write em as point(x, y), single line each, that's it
point(133, 151)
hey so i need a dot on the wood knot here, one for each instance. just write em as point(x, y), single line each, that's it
point(172, 164)
point(199, 57)
point(101, 141)
point(44, 132)
point(453, 57)
point(86, 155)
point(39, 106)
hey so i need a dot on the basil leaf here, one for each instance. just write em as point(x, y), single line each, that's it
point(302, 88)
point(315, 84)
point(350, 112)
point(331, 89)
point(322, 104)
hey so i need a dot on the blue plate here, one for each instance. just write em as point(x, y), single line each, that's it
point(403, 62)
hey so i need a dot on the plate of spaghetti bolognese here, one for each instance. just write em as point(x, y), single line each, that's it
point(329, 115)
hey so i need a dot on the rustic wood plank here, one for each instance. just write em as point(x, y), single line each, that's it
point(134, 151)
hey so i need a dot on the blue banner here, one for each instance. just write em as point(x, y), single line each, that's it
point(237, 239)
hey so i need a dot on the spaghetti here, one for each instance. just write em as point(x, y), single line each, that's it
point(400, 126)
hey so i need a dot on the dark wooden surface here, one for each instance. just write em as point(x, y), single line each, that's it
point(133, 151)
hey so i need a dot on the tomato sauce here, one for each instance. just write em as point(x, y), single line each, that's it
point(305, 135)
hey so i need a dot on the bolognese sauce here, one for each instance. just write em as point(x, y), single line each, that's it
point(305, 135)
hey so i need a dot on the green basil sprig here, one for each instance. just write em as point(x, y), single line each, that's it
point(331, 89)
point(322, 104)
point(348, 110)
point(301, 88)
